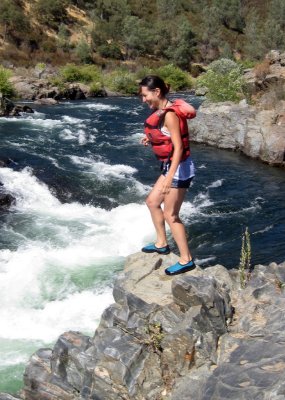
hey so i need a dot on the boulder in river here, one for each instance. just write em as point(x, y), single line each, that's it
point(6, 200)
point(8, 108)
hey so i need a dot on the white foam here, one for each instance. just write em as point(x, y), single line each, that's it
point(79, 312)
point(39, 296)
point(78, 135)
point(102, 107)
point(11, 358)
point(216, 184)
point(103, 170)
point(72, 120)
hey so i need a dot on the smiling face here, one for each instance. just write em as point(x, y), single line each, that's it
point(151, 97)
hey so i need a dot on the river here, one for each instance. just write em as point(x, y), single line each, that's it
point(80, 176)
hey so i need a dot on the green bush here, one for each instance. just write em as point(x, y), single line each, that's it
point(223, 66)
point(96, 88)
point(110, 51)
point(122, 82)
point(175, 77)
point(224, 81)
point(6, 88)
point(84, 74)
point(141, 73)
point(84, 52)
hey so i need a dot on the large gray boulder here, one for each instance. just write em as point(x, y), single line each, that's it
point(194, 336)
point(159, 328)
point(240, 127)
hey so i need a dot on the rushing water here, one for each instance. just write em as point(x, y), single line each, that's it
point(80, 177)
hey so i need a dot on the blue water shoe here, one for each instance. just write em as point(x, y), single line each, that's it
point(180, 268)
point(151, 248)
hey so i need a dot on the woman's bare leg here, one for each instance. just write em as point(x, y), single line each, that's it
point(153, 201)
point(172, 204)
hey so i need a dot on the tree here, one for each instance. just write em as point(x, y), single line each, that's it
point(230, 14)
point(254, 46)
point(137, 36)
point(12, 17)
point(273, 35)
point(51, 12)
point(182, 46)
point(211, 33)
point(63, 37)
point(277, 12)
point(83, 52)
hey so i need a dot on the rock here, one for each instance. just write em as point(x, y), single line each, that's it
point(46, 101)
point(202, 91)
point(240, 127)
point(174, 338)
point(5, 396)
point(8, 108)
point(6, 200)
point(145, 341)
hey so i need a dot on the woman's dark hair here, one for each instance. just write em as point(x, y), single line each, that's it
point(153, 82)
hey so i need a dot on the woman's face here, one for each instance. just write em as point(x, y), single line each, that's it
point(150, 97)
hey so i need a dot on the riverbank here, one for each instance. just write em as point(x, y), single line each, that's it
point(256, 126)
point(197, 335)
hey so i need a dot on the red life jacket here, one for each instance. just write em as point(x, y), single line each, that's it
point(162, 145)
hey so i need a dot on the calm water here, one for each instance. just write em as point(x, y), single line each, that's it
point(80, 177)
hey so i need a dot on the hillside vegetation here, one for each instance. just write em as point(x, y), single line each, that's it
point(138, 32)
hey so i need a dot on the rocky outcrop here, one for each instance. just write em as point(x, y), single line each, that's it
point(194, 336)
point(32, 88)
point(8, 108)
point(255, 132)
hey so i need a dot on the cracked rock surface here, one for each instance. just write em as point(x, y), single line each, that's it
point(193, 336)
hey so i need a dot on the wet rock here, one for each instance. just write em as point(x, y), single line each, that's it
point(46, 101)
point(8, 108)
point(6, 200)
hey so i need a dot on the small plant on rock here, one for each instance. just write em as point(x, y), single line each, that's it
point(245, 259)
point(155, 336)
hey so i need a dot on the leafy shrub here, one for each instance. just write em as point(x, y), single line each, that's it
point(175, 77)
point(110, 51)
point(96, 88)
point(83, 52)
point(223, 66)
point(223, 80)
point(85, 73)
point(122, 82)
point(141, 73)
point(6, 88)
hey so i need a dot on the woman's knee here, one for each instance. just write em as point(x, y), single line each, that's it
point(171, 218)
point(151, 202)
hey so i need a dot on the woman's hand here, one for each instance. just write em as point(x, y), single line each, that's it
point(166, 185)
point(145, 141)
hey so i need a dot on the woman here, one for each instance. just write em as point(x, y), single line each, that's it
point(167, 131)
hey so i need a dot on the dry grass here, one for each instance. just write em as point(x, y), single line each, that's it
point(262, 69)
